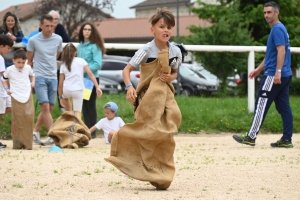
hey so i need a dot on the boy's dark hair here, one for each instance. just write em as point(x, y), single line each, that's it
point(47, 17)
point(6, 40)
point(272, 4)
point(20, 54)
point(165, 14)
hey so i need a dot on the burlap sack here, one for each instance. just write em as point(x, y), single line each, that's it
point(22, 123)
point(69, 131)
point(144, 149)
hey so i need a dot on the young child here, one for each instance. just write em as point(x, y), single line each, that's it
point(144, 149)
point(71, 79)
point(22, 101)
point(5, 101)
point(111, 123)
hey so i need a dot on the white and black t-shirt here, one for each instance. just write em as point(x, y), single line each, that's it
point(149, 53)
point(2, 69)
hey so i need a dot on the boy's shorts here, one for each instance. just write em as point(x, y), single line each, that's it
point(5, 102)
point(45, 90)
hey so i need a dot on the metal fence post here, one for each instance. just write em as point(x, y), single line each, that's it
point(251, 82)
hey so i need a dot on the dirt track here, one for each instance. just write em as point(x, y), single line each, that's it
point(207, 167)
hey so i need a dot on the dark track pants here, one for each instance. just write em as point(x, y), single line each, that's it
point(267, 93)
point(89, 110)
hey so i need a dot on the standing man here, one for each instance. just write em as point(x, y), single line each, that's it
point(44, 48)
point(276, 81)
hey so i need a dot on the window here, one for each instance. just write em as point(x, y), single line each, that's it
point(111, 65)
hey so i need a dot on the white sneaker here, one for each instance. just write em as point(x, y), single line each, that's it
point(36, 138)
point(48, 141)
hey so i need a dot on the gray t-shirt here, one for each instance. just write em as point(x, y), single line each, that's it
point(45, 51)
point(149, 53)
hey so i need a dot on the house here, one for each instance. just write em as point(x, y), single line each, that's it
point(147, 8)
point(137, 30)
point(29, 20)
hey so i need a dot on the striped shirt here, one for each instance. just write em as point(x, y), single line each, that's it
point(149, 53)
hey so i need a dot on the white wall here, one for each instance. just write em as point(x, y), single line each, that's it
point(30, 25)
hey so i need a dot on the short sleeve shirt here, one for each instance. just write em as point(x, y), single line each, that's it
point(19, 82)
point(45, 52)
point(149, 53)
point(2, 69)
point(108, 125)
point(278, 36)
point(74, 78)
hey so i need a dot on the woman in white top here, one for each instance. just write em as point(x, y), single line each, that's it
point(71, 79)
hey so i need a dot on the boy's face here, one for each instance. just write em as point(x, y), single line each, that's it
point(109, 114)
point(4, 49)
point(162, 31)
point(19, 63)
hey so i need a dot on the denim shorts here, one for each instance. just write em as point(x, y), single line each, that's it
point(45, 90)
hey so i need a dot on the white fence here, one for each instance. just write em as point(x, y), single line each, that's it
point(210, 48)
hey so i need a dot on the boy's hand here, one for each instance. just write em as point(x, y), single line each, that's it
point(131, 94)
point(8, 92)
point(164, 77)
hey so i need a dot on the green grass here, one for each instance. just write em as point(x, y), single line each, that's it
point(210, 115)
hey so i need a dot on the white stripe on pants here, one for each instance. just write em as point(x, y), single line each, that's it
point(77, 98)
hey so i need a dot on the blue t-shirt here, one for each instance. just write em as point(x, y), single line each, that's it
point(278, 36)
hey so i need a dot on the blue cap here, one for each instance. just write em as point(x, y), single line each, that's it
point(112, 106)
point(55, 149)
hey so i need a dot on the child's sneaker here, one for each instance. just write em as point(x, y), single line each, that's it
point(48, 141)
point(244, 139)
point(283, 143)
point(2, 145)
point(36, 138)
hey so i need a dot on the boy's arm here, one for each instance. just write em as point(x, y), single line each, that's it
point(32, 78)
point(92, 129)
point(4, 83)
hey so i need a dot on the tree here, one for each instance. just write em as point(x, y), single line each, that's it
point(226, 29)
point(75, 12)
point(289, 15)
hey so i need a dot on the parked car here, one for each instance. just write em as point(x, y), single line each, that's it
point(112, 68)
point(196, 80)
point(110, 86)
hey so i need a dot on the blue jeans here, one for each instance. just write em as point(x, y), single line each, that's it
point(45, 90)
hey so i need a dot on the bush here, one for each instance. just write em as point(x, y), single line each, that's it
point(295, 87)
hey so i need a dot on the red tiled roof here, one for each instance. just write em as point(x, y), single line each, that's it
point(152, 3)
point(27, 10)
point(140, 27)
point(24, 11)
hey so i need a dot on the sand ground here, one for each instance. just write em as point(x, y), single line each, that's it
point(207, 167)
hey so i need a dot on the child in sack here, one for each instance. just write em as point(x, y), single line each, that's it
point(21, 98)
point(5, 101)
